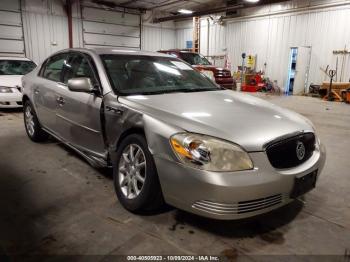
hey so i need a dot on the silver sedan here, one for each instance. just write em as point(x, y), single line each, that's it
point(170, 134)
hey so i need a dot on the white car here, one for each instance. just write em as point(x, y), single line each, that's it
point(11, 71)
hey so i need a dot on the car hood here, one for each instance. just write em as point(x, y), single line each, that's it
point(240, 118)
point(11, 80)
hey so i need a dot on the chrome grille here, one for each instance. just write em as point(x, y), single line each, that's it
point(240, 207)
point(283, 154)
point(223, 73)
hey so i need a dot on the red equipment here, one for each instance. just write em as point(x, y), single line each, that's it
point(254, 83)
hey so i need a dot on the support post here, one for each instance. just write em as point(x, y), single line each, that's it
point(70, 22)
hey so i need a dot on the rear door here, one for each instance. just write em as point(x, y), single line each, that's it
point(45, 90)
point(79, 113)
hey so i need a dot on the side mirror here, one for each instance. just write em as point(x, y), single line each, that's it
point(82, 84)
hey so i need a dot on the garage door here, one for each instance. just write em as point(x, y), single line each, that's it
point(106, 28)
point(11, 31)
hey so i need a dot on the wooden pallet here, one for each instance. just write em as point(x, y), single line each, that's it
point(334, 97)
point(337, 89)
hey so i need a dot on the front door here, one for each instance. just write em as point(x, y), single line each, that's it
point(78, 113)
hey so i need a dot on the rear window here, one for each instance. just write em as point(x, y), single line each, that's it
point(16, 67)
point(194, 59)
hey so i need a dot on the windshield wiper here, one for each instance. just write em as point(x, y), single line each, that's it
point(161, 92)
point(198, 90)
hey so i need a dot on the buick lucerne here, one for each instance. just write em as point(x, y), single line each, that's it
point(172, 135)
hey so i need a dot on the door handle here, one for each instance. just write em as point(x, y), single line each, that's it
point(60, 100)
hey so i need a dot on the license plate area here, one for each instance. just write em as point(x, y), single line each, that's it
point(304, 184)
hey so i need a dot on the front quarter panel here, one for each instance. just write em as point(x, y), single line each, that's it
point(120, 119)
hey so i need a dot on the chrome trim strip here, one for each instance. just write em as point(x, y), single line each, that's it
point(95, 161)
point(75, 123)
point(237, 208)
point(243, 203)
point(287, 136)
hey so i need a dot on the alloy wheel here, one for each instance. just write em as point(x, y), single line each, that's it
point(29, 120)
point(132, 171)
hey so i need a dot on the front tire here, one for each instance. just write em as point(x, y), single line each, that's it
point(135, 176)
point(32, 125)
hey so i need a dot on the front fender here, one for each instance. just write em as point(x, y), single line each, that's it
point(158, 136)
point(120, 120)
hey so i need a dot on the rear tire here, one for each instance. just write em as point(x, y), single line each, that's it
point(32, 125)
point(135, 176)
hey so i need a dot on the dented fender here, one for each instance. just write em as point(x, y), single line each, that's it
point(121, 118)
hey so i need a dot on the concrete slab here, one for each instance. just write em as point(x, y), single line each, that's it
point(53, 202)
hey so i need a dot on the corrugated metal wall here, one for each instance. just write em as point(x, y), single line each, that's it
point(272, 37)
point(184, 32)
point(268, 36)
point(11, 33)
point(157, 36)
point(110, 28)
point(217, 38)
point(45, 27)
point(274, 29)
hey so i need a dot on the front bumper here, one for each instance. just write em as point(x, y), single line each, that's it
point(233, 195)
point(11, 100)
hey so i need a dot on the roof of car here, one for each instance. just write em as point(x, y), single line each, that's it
point(178, 51)
point(118, 51)
point(14, 58)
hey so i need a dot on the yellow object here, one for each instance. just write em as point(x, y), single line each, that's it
point(251, 61)
point(180, 149)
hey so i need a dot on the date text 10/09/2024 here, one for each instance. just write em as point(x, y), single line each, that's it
point(173, 258)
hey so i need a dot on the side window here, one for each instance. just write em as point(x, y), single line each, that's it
point(54, 66)
point(79, 67)
point(42, 69)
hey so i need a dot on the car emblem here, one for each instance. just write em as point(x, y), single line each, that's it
point(300, 150)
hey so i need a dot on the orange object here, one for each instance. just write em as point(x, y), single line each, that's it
point(334, 97)
point(347, 97)
point(180, 149)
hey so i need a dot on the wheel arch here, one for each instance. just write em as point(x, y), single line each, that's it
point(130, 131)
point(25, 98)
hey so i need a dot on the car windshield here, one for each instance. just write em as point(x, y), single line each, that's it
point(16, 67)
point(130, 75)
point(194, 59)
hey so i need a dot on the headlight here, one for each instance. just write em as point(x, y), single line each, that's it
point(208, 74)
point(208, 153)
point(4, 89)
